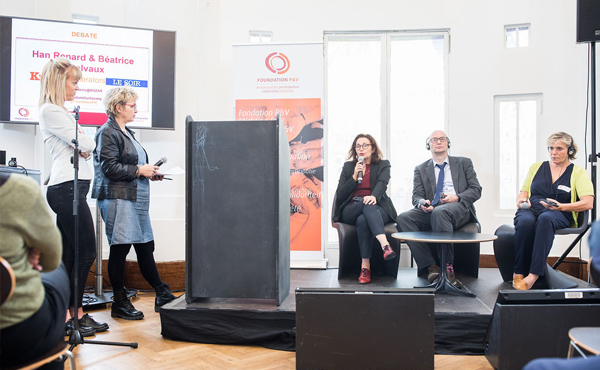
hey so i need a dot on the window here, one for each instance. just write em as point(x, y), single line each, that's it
point(261, 37)
point(517, 118)
point(392, 85)
point(516, 36)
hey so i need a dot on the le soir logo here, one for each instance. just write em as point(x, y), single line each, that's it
point(277, 63)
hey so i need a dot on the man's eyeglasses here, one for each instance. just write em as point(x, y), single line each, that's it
point(438, 139)
point(364, 146)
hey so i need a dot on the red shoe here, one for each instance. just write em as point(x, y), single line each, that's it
point(365, 276)
point(388, 253)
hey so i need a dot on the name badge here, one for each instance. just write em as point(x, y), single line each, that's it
point(564, 188)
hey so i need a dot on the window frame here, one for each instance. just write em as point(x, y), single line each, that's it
point(539, 99)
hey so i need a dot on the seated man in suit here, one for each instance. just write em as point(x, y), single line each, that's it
point(444, 190)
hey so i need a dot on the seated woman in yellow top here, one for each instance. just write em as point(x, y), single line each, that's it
point(551, 197)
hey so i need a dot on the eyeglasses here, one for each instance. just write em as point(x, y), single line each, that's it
point(134, 106)
point(438, 139)
point(364, 146)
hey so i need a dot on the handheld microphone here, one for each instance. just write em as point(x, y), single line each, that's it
point(360, 173)
point(423, 203)
point(524, 205)
point(161, 161)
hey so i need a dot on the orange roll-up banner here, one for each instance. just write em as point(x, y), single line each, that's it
point(287, 79)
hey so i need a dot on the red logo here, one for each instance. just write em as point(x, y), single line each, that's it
point(277, 63)
point(24, 112)
point(35, 76)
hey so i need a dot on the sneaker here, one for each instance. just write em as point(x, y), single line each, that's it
point(433, 273)
point(365, 276)
point(87, 321)
point(85, 331)
point(388, 253)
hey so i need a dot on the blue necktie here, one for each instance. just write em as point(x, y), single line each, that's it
point(440, 184)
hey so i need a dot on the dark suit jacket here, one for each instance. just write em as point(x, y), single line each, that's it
point(380, 176)
point(464, 179)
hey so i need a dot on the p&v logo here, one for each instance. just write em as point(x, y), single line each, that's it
point(24, 112)
point(277, 63)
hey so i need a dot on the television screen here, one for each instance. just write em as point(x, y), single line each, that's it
point(108, 57)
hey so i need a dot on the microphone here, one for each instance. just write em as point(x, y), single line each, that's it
point(422, 202)
point(160, 162)
point(524, 205)
point(360, 173)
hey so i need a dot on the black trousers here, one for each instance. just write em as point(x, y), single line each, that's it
point(38, 334)
point(146, 263)
point(370, 221)
point(60, 198)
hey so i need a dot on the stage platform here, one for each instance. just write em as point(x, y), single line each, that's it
point(460, 322)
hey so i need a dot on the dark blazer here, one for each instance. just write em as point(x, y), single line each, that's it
point(115, 163)
point(464, 179)
point(380, 176)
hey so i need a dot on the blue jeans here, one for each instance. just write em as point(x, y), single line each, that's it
point(369, 221)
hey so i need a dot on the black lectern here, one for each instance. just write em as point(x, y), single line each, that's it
point(237, 210)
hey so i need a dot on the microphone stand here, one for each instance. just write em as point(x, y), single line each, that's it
point(593, 157)
point(76, 338)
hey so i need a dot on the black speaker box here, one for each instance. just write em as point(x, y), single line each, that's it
point(527, 325)
point(344, 329)
point(588, 20)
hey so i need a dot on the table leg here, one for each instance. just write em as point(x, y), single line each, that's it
point(443, 285)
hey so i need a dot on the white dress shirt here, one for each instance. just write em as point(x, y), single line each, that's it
point(58, 128)
point(448, 184)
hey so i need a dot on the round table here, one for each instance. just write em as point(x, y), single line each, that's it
point(443, 285)
point(587, 338)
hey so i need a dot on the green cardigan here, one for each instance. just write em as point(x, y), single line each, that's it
point(581, 184)
point(25, 222)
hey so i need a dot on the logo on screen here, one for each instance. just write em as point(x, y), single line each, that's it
point(277, 63)
point(24, 112)
point(34, 76)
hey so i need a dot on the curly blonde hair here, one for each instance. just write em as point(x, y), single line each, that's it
point(118, 96)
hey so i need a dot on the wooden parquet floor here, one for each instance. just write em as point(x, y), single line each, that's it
point(155, 352)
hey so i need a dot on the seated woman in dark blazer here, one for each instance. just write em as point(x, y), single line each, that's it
point(551, 197)
point(365, 203)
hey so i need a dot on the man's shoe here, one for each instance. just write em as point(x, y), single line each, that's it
point(452, 278)
point(434, 273)
point(85, 331)
point(365, 276)
point(87, 320)
point(388, 253)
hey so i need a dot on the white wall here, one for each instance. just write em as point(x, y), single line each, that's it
point(480, 68)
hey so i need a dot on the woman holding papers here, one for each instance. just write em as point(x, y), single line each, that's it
point(122, 186)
